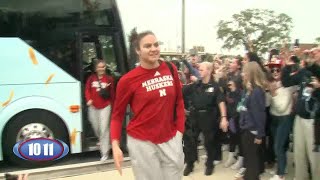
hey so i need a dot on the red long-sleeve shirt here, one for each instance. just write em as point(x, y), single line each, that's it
point(151, 94)
point(93, 88)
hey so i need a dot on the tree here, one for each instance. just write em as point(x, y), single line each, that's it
point(255, 30)
point(132, 50)
point(318, 40)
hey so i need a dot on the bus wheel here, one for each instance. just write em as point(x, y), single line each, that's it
point(31, 124)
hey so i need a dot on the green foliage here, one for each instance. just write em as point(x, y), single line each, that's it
point(318, 40)
point(255, 30)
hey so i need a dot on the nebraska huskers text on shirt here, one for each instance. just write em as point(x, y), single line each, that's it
point(158, 83)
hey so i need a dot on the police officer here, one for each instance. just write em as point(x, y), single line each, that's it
point(207, 109)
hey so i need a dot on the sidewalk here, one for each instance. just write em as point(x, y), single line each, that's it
point(220, 173)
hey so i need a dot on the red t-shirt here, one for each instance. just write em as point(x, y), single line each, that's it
point(151, 94)
point(93, 88)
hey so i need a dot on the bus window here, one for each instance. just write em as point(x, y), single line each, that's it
point(88, 54)
point(98, 47)
point(108, 53)
point(50, 26)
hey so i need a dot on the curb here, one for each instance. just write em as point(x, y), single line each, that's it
point(69, 170)
point(75, 169)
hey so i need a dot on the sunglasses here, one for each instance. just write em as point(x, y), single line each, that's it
point(275, 70)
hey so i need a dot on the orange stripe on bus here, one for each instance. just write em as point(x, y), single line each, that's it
point(9, 100)
point(73, 137)
point(33, 56)
point(49, 78)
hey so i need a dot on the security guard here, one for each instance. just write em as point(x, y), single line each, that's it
point(207, 109)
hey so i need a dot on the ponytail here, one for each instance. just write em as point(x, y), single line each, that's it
point(135, 38)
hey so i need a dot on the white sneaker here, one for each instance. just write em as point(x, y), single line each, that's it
point(230, 161)
point(216, 162)
point(238, 164)
point(272, 172)
point(104, 158)
point(276, 177)
point(240, 173)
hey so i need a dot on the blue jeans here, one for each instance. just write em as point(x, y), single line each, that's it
point(280, 129)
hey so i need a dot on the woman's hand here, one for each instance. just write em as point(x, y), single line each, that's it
point(89, 103)
point(232, 86)
point(224, 124)
point(179, 134)
point(257, 141)
point(117, 156)
point(193, 78)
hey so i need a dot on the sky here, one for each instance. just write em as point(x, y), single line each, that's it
point(163, 17)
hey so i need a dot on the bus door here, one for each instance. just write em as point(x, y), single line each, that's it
point(98, 44)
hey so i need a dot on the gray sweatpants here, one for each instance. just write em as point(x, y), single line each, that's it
point(100, 121)
point(303, 150)
point(157, 161)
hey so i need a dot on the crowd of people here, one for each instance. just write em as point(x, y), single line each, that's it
point(263, 101)
point(250, 105)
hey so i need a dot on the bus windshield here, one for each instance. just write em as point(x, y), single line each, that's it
point(57, 12)
point(50, 26)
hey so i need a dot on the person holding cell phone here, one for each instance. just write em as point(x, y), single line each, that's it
point(303, 130)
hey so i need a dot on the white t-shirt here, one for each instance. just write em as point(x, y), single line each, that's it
point(281, 104)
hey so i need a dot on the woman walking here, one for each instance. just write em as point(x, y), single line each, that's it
point(99, 96)
point(154, 94)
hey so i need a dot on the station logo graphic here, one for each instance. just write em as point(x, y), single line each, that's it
point(41, 149)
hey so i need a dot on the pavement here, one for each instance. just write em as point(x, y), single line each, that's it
point(220, 173)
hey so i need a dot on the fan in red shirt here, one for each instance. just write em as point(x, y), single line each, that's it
point(155, 131)
point(99, 97)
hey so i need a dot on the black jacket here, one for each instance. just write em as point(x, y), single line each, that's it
point(301, 78)
point(204, 100)
point(203, 96)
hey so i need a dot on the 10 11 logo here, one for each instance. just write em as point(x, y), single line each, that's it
point(41, 149)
